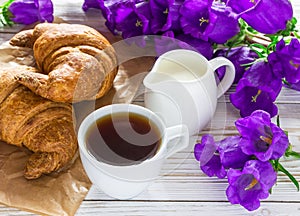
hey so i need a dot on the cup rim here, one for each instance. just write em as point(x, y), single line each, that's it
point(86, 123)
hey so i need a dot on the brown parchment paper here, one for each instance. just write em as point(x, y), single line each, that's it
point(58, 193)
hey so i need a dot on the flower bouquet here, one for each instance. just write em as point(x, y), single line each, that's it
point(258, 36)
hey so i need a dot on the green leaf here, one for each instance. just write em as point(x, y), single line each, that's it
point(288, 150)
point(296, 34)
point(292, 154)
point(252, 30)
point(271, 190)
point(274, 40)
point(5, 14)
point(242, 23)
point(290, 27)
point(294, 20)
point(291, 177)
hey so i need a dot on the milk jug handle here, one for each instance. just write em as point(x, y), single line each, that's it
point(228, 78)
point(173, 144)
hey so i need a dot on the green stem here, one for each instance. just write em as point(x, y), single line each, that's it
point(291, 177)
point(278, 121)
point(296, 35)
point(294, 154)
point(254, 62)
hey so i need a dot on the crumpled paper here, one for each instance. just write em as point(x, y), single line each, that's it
point(59, 193)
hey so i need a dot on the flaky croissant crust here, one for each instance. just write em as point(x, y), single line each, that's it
point(75, 62)
point(43, 126)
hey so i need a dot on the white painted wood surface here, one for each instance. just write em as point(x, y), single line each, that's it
point(182, 189)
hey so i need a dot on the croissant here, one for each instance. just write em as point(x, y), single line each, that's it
point(43, 126)
point(75, 62)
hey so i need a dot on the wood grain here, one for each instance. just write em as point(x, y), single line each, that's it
point(182, 189)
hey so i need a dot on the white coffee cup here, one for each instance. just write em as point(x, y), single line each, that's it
point(127, 181)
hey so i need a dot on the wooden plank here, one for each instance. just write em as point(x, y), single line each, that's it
point(205, 191)
point(75, 14)
point(5, 211)
point(183, 208)
point(6, 37)
point(181, 179)
point(288, 96)
point(182, 189)
point(159, 208)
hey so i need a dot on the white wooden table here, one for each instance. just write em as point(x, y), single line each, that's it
point(183, 189)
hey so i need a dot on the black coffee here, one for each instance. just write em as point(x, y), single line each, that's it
point(123, 139)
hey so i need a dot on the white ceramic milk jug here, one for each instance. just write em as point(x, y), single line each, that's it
point(182, 88)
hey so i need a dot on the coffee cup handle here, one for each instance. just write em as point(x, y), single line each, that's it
point(178, 131)
point(228, 78)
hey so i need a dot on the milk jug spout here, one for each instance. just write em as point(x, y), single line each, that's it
point(155, 81)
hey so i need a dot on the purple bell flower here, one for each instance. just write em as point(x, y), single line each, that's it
point(208, 20)
point(132, 19)
point(87, 4)
point(238, 56)
point(109, 9)
point(286, 60)
point(265, 16)
point(257, 90)
point(196, 18)
point(224, 26)
point(252, 184)
point(248, 99)
point(31, 11)
point(261, 137)
point(206, 153)
point(231, 153)
point(165, 15)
